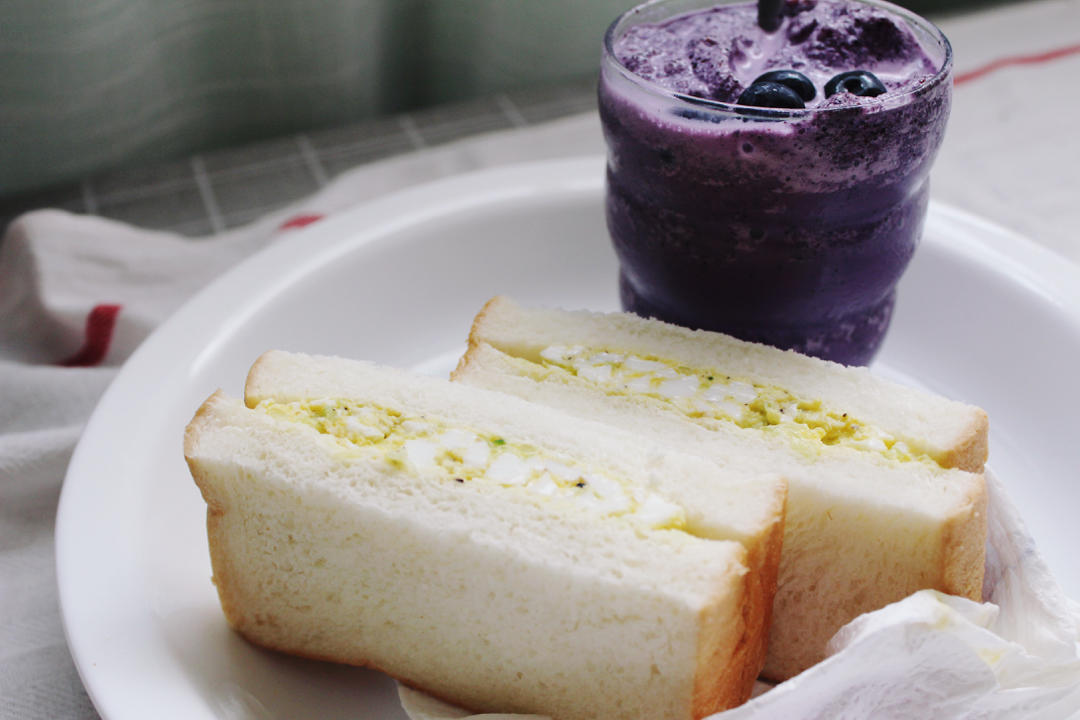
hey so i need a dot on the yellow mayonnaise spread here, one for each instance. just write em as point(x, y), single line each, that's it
point(709, 397)
point(433, 448)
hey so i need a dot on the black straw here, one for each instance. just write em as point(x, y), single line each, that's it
point(768, 14)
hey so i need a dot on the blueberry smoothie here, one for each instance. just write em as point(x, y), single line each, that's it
point(771, 184)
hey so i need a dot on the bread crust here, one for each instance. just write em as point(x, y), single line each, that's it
point(964, 544)
point(220, 566)
point(972, 450)
point(720, 682)
point(253, 379)
point(475, 332)
point(746, 661)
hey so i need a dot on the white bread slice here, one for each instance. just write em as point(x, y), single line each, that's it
point(491, 599)
point(861, 531)
point(953, 433)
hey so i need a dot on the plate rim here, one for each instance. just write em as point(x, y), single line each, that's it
point(1053, 276)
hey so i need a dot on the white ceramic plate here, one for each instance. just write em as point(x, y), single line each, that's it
point(984, 316)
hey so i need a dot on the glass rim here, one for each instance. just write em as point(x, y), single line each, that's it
point(944, 72)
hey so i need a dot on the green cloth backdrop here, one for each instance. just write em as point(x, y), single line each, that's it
point(91, 84)
point(87, 85)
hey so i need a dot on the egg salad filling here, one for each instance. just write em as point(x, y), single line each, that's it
point(709, 397)
point(433, 448)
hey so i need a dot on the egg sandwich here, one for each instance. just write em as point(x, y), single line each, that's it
point(499, 555)
point(887, 495)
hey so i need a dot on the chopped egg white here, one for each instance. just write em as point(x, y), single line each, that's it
point(640, 365)
point(875, 444)
point(456, 438)
point(595, 373)
point(561, 353)
point(420, 455)
point(602, 486)
point(476, 454)
point(655, 511)
point(742, 392)
point(544, 486)
point(355, 425)
point(683, 387)
point(417, 427)
point(508, 469)
point(715, 400)
point(559, 470)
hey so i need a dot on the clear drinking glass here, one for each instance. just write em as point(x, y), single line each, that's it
point(789, 227)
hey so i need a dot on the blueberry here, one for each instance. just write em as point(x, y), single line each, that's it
point(857, 82)
point(793, 79)
point(771, 95)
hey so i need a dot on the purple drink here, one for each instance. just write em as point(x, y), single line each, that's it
point(789, 227)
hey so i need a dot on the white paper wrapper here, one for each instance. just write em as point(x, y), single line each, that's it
point(930, 655)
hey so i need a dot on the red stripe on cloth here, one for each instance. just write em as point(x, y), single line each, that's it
point(1036, 59)
point(100, 324)
point(299, 221)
